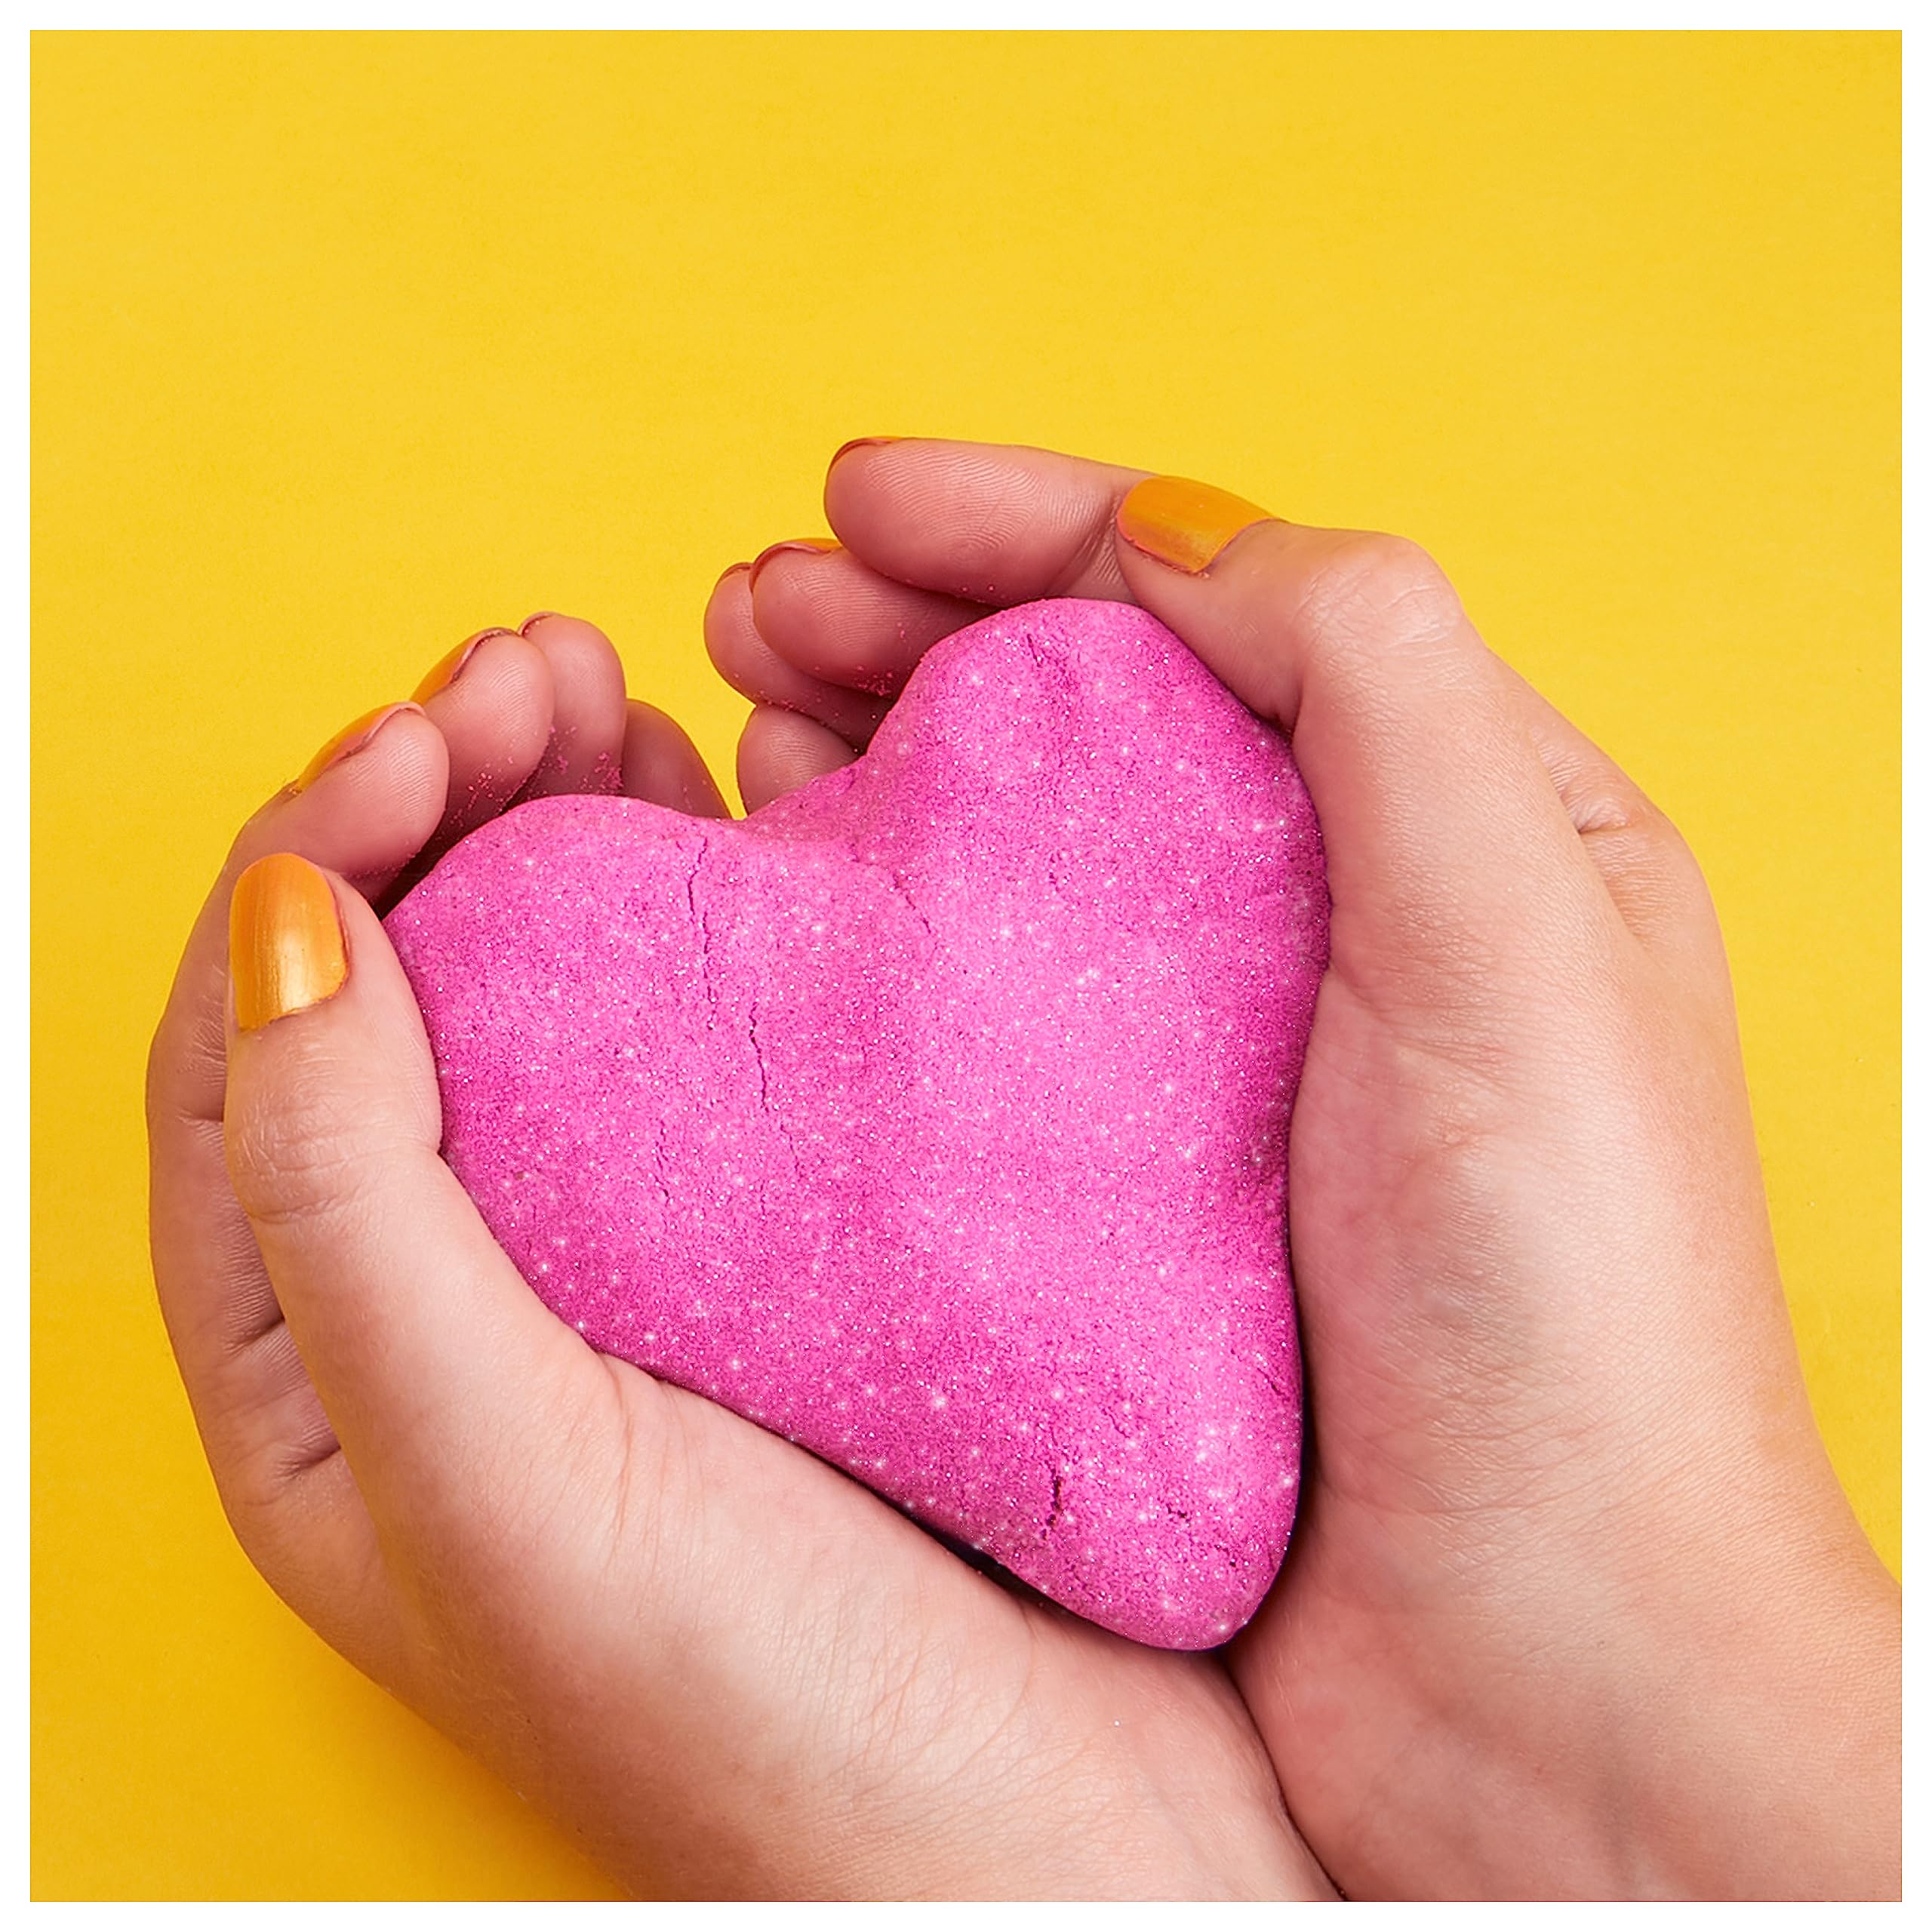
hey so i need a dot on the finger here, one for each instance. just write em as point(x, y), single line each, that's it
point(663, 765)
point(491, 698)
point(1420, 765)
point(586, 747)
point(748, 664)
point(367, 801)
point(826, 613)
point(1650, 871)
point(433, 1357)
point(779, 751)
point(362, 813)
point(994, 525)
point(1018, 524)
point(1408, 732)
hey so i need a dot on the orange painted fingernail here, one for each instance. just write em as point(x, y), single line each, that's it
point(818, 547)
point(350, 739)
point(285, 948)
point(861, 443)
point(445, 671)
point(1184, 524)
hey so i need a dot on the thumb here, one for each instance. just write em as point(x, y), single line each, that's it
point(434, 1360)
point(1448, 846)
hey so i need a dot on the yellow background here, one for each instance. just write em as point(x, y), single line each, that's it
point(346, 346)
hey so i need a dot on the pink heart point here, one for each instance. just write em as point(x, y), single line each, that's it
point(935, 1116)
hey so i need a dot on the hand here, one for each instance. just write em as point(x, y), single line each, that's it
point(1575, 1604)
point(723, 1665)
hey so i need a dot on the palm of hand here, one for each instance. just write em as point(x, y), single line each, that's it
point(632, 1602)
point(732, 1669)
point(1559, 1434)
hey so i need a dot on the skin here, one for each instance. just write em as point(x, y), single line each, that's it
point(1576, 1605)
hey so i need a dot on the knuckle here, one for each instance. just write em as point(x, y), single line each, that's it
point(256, 1514)
point(277, 1534)
point(155, 1075)
point(187, 1048)
point(1372, 585)
point(256, 1502)
point(1607, 801)
point(1671, 851)
point(306, 1155)
point(1651, 824)
point(1623, 810)
point(1663, 831)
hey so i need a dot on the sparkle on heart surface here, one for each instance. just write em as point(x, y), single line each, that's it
point(935, 1116)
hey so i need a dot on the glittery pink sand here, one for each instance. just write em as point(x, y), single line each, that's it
point(934, 1116)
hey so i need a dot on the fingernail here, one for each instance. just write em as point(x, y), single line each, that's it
point(728, 570)
point(536, 617)
point(350, 739)
point(816, 547)
point(861, 443)
point(285, 949)
point(1184, 524)
point(445, 671)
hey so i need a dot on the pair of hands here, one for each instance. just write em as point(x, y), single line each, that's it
point(1575, 1604)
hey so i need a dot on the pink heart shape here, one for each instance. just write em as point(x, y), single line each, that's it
point(936, 1115)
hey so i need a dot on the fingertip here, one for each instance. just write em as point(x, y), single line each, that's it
point(351, 739)
point(857, 482)
point(324, 1024)
point(828, 617)
point(446, 670)
point(849, 462)
point(845, 449)
point(779, 750)
point(371, 797)
point(663, 766)
point(727, 614)
point(991, 524)
point(745, 659)
point(802, 546)
point(552, 633)
point(494, 708)
point(587, 716)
